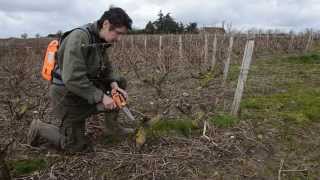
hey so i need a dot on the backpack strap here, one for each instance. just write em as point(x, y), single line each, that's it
point(84, 28)
point(56, 73)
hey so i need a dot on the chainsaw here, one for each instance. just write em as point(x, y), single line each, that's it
point(140, 135)
point(121, 103)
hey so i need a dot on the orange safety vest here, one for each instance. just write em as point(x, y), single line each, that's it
point(50, 60)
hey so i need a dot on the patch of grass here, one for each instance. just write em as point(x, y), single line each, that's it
point(309, 58)
point(299, 105)
point(282, 72)
point(27, 166)
point(173, 126)
point(252, 103)
point(234, 71)
point(298, 117)
point(223, 120)
point(316, 46)
point(206, 78)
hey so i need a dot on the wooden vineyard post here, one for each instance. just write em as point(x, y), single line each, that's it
point(226, 69)
point(160, 47)
point(227, 62)
point(290, 49)
point(242, 76)
point(268, 39)
point(309, 43)
point(180, 48)
point(214, 52)
point(145, 43)
point(160, 63)
point(205, 49)
point(131, 40)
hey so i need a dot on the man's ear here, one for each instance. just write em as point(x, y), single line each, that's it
point(106, 24)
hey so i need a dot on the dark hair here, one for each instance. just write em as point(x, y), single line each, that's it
point(117, 17)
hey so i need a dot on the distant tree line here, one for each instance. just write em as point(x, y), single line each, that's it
point(165, 24)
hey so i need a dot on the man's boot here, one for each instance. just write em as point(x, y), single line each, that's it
point(47, 131)
point(113, 127)
point(82, 142)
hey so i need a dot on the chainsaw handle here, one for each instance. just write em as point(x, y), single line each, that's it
point(118, 98)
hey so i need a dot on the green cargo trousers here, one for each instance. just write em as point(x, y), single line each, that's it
point(72, 112)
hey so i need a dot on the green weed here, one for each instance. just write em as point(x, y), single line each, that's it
point(309, 58)
point(223, 120)
point(297, 105)
point(173, 126)
point(27, 166)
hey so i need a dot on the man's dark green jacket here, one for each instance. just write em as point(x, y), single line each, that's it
point(80, 59)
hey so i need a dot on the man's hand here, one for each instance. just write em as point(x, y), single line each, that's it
point(114, 85)
point(108, 102)
point(124, 93)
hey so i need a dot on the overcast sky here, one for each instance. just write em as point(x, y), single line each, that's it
point(49, 16)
